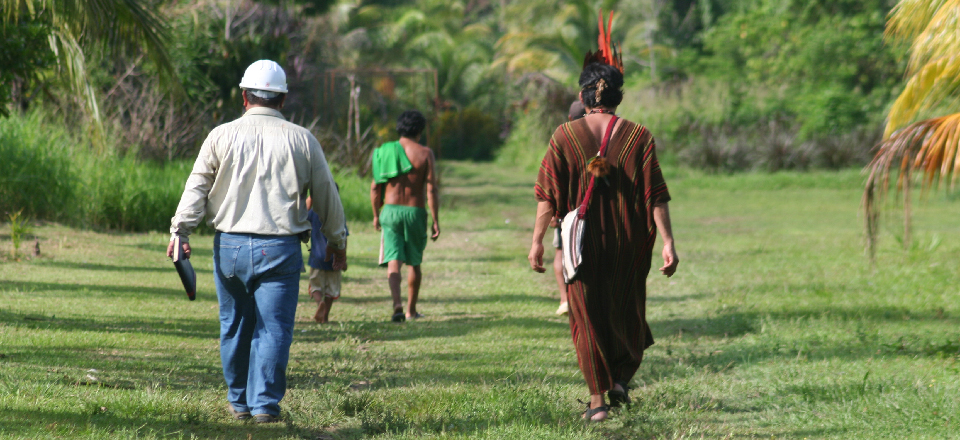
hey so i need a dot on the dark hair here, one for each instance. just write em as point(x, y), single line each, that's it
point(576, 110)
point(411, 123)
point(612, 93)
point(271, 102)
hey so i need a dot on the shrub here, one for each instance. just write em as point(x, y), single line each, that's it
point(36, 174)
point(354, 194)
point(771, 145)
point(124, 194)
point(529, 138)
point(49, 175)
point(468, 134)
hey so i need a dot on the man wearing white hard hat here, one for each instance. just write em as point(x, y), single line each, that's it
point(251, 181)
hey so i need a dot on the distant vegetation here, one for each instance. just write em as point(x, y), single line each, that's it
point(725, 85)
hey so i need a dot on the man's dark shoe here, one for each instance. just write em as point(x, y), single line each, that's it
point(266, 418)
point(239, 415)
point(619, 398)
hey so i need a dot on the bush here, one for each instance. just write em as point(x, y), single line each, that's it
point(706, 124)
point(124, 194)
point(50, 175)
point(36, 174)
point(354, 194)
point(771, 145)
point(529, 139)
point(468, 134)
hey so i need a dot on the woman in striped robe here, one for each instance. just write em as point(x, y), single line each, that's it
point(627, 208)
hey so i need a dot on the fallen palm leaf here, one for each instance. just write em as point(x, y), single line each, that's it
point(930, 147)
point(932, 27)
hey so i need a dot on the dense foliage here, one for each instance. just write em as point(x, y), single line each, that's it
point(723, 84)
point(817, 75)
point(24, 55)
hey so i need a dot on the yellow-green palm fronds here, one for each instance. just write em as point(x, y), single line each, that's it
point(935, 82)
point(932, 27)
point(911, 17)
point(939, 39)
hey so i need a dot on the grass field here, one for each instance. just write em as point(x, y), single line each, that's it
point(775, 326)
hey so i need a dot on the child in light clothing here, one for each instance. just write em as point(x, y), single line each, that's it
point(324, 285)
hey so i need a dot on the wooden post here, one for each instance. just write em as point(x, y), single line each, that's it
point(906, 210)
point(350, 109)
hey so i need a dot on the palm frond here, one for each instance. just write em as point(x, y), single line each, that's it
point(910, 17)
point(929, 146)
point(929, 86)
point(939, 39)
point(117, 26)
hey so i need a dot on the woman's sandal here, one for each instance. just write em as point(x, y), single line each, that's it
point(590, 412)
point(619, 398)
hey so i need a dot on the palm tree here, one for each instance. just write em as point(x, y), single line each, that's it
point(542, 36)
point(436, 34)
point(78, 27)
point(930, 146)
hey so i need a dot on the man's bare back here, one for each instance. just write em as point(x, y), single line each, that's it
point(408, 189)
point(416, 188)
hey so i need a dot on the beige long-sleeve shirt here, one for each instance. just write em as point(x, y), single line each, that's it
point(253, 176)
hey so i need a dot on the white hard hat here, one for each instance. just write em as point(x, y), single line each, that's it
point(265, 75)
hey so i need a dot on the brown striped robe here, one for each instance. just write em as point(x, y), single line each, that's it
point(608, 299)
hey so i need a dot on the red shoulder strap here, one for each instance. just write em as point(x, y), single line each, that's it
point(602, 153)
point(606, 136)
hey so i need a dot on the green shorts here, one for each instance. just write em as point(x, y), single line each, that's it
point(404, 234)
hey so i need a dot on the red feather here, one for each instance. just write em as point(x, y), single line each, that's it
point(607, 52)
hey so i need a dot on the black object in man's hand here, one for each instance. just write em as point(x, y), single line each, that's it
point(187, 275)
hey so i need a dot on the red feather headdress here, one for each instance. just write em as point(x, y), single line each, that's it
point(607, 53)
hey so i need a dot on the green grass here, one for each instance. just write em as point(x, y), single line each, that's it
point(776, 326)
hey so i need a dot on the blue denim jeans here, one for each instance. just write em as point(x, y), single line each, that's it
point(257, 278)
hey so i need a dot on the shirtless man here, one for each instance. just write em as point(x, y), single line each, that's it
point(403, 179)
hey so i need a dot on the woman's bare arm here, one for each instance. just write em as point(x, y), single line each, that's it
point(661, 216)
point(544, 214)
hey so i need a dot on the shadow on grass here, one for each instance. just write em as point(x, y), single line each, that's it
point(735, 323)
point(479, 259)
point(116, 370)
point(352, 281)
point(429, 329)
point(179, 327)
point(392, 371)
point(480, 200)
point(189, 423)
point(107, 289)
point(454, 366)
point(678, 298)
point(479, 299)
point(365, 262)
point(500, 298)
point(730, 351)
point(201, 245)
point(108, 267)
point(385, 299)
